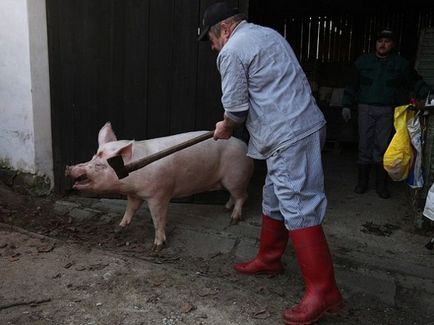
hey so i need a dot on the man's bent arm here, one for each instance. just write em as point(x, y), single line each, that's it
point(224, 129)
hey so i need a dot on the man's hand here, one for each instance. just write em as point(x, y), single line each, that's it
point(222, 131)
point(346, 114)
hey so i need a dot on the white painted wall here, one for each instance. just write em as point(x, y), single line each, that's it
point(25, 118)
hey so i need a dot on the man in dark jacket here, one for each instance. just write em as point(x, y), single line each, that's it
point(380, 82)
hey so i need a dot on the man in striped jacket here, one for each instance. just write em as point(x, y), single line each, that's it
point(264, 86)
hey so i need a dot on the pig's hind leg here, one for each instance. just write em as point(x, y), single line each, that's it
point(236, 200)
point(236, 182)
point(133, 205)
point(229, 205)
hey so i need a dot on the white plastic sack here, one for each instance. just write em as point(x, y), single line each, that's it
point(428, 211)
point(415, 175)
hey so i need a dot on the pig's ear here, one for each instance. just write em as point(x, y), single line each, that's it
point(126, 151)
point(106, 134)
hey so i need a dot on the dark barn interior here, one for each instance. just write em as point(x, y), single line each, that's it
point(328, 36)
point(337, 31)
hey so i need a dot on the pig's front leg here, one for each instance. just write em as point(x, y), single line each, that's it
point(133, 205)
point(158, 208)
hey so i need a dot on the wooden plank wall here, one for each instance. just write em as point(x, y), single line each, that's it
point(136, 63)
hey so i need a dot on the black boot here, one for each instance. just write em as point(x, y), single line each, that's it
point(363, 179)
point(381, 182)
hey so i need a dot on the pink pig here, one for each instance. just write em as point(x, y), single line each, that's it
point(207, 166)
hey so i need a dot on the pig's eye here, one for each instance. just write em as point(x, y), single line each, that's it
point(100, 166)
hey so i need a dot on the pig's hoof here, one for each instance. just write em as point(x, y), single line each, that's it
point(157, 248)
point(234, 221)
point(118, 229)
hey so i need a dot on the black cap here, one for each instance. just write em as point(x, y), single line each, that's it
point(386, 33)
point(214, 14)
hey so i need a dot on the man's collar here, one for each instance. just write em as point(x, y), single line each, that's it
point(238, 26)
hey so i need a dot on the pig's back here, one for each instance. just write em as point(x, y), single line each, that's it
point(200, 167)
point(152, 146)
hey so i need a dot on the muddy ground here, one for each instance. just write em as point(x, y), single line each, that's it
point(64, 261)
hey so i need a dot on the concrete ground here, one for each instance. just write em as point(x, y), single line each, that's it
point(63, 260)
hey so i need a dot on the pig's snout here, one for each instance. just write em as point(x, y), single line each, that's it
point(74, 172)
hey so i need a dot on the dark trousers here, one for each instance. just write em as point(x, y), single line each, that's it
point(375, 132)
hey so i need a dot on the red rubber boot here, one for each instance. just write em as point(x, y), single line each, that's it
point(314, 259)
point(273, 241)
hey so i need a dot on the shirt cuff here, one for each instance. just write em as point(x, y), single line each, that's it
point(238, 108)
point(237, 117)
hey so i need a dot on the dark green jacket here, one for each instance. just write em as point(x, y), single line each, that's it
point(390, 81)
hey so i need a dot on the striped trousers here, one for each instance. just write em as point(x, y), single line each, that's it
point(294, 185)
